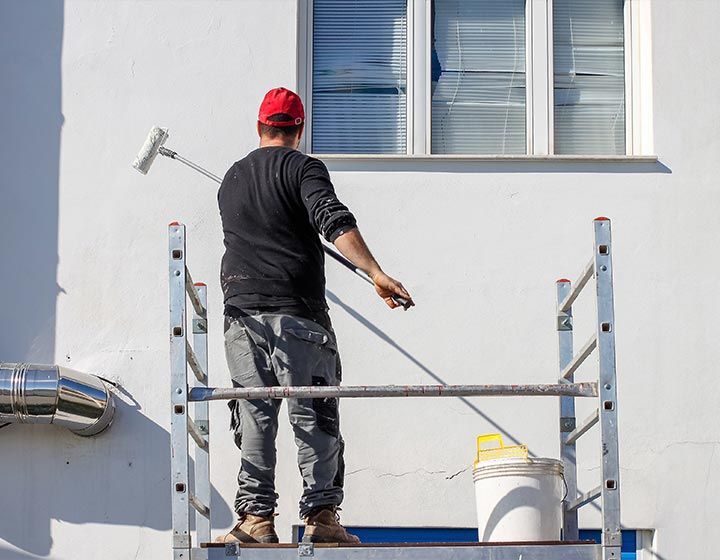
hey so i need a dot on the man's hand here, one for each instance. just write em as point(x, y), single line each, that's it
point(387, 287)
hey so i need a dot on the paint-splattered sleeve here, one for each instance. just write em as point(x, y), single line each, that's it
point(330, 217)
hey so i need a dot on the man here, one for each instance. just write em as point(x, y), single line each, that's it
point(273, 204)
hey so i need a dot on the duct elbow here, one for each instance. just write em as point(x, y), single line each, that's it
point(50, 394)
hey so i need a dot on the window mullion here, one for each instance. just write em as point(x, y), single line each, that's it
point(640, 70)
point(540, 98)
point(629, 90)
point(304, 74)
point(529, 112)
point(409, 77)
point(428, 77)
point(417, 77)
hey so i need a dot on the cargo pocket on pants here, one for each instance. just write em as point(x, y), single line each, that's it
point(326, 410)
point(236, 421)
point(321, 340)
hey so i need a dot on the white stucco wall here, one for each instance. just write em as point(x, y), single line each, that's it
point(478, 244)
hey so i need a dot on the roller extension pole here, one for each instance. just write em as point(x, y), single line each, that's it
point(154, 145)
point(174, 155)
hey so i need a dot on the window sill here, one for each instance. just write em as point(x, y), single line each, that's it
point(486, 158)
point(381, 163)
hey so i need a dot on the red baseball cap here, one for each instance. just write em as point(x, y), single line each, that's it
point(281, 100)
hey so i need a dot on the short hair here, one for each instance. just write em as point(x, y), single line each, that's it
point(280, 131)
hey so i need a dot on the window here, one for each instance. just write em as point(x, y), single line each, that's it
point(359, 98)
point(471, 77)
point(589, 76)
point(478, 77)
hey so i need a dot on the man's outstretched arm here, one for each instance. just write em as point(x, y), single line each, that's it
point(352, 245)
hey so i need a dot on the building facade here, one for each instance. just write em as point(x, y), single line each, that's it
point(475, 165)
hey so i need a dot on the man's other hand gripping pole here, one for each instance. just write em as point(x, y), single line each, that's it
point(352, 245)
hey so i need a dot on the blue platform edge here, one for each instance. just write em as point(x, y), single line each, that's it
point(461, 534)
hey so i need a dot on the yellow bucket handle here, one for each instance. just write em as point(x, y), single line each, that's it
point(489, 438)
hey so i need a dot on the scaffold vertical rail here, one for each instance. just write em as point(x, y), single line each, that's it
point(179, 460)
point(202, 421)
point(567, 414)
point(607, 390)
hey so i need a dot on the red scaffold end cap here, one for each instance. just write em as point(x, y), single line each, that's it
point(601, 219)
point(173, 224)
point(562, 281)
point(203, 284)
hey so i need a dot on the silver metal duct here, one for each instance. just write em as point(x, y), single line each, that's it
point(37, 394)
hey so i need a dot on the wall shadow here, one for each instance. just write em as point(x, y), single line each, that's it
point(514, 499)
point(388, 340)
point(120, 477)
point(31, 35)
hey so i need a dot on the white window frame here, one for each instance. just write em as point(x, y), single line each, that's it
point(538, 75)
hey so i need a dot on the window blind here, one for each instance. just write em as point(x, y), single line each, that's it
point(478, 97)
point(589, 76)
point(359, 76)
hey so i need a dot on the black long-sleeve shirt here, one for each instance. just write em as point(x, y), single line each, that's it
point(273, 204)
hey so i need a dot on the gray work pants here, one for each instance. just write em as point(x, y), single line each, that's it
point(276, 349)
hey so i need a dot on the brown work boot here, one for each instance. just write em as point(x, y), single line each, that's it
point(323, 526)
point(252, 529)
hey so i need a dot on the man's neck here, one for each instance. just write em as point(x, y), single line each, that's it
point(274, 142)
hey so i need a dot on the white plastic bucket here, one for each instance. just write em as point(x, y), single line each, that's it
point(519, 499)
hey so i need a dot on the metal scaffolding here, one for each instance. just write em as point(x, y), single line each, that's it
point(194, 494)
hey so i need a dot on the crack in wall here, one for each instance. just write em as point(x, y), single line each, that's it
point(421, 470)
point(457, 473)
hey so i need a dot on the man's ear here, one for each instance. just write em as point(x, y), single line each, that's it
point(258, 129)
point(300, 133)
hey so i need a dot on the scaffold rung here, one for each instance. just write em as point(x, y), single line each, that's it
point(192, 293)
point(583, 428)
point(578, 359)
point(585, 499)
point(194, 363)
point(586, 389)
point(201, 508)
point(577, 287)
point(195, 433)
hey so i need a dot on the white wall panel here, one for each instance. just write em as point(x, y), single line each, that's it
point(479, 245)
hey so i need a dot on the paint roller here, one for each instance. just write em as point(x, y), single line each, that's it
point(154, 145)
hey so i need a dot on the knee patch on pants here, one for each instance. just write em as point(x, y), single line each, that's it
point(236, 421)
point(326, 410)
